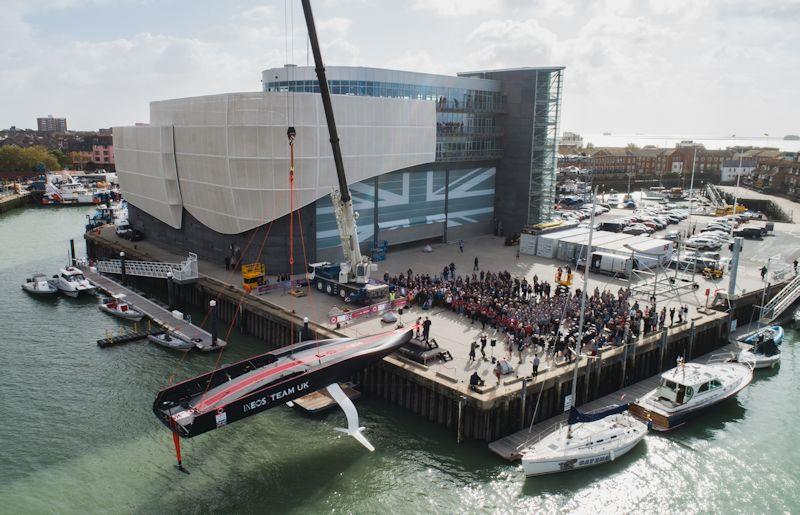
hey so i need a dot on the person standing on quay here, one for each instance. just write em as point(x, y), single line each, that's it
point(535, 366)
point(426, 329)
point(475, 268)
point(461, 245)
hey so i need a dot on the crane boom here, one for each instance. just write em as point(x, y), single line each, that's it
point(355, 268)
point(324, 90)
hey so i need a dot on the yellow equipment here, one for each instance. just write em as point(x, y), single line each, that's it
point(728, 210)
point(253, 276)
point(563, 279)
point(712, 273)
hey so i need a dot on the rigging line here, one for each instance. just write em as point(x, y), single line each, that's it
point(177, 366)
point(236, 311)
point(305, 267)
point(294, 68)
point(286, 53)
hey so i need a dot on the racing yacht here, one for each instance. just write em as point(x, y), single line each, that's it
point(237, 391)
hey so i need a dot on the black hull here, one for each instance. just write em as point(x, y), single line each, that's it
point(274, 394)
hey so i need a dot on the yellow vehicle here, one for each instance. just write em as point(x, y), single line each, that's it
point(253, 276)
point(564, 278)
point(728, 210)
point(712, 273)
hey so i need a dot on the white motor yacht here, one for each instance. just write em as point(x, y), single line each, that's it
point(584, 444)
point(690, 389)
point(39, 284)
point(72, 282)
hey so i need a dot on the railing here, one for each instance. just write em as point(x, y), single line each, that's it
point(458, 106)
point(469, 155)
point(781, 301)
point(445, 130)
point(181, 272)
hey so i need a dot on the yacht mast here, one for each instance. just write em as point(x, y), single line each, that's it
point(586, 265)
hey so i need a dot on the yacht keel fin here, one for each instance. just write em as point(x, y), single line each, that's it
point(353, 429)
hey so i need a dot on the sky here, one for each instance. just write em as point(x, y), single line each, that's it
point(713, 67)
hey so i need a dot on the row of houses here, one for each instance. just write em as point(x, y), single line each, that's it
point(776, 176)
point(710, 165)
point(82, 147)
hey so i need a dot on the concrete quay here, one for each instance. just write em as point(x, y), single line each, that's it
point(13, 201)
point(439, 391)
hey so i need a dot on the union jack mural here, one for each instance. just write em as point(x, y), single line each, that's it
point(406, 199)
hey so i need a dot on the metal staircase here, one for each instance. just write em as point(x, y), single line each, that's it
point(781, 301)
point(183, 272)
point(714, 196)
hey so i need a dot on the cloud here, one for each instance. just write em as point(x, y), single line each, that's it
point(258, 12)
point(457, 8)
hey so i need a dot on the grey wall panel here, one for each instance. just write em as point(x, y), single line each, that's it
point(232, 152)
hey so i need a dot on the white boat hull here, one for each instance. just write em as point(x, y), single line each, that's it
point(564, 464)
point(584, 444)
point(131, 314)
point(758, 360)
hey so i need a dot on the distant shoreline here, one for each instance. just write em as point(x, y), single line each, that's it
point(708, 140)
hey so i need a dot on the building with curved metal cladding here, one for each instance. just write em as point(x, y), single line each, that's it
point(428, 157)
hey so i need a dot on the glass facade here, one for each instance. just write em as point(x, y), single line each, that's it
point(544, 148)
point(466, 126)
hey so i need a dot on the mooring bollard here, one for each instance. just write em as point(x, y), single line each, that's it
point(212, 305)
point(122, 266)
point(170, 292)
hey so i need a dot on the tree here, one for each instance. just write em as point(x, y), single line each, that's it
point(63, 159)
point(632, 146)
point(14, 159)
point(589, 145)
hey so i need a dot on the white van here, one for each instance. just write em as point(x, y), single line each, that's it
point(610, 264)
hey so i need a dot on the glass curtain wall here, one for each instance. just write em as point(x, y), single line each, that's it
point(466, 128)
point(544, 148)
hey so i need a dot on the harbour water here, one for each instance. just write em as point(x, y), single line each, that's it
point(78, 434)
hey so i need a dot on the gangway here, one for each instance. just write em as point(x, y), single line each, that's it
point(183, 272)
point(714, 196)
point(778, 304)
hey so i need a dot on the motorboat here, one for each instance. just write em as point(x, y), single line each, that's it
point(72, 283)
point(773, 332)
point(587, 440)
point(764, 350)
point(117, 307)
point(39, 284)
point(251, 386)
point(690, 389)
point(172, 340)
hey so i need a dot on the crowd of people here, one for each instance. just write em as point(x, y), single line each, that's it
point(534, 317)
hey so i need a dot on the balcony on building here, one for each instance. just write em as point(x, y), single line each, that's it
point(447, 105)
point(448, 130)
point(452, 155)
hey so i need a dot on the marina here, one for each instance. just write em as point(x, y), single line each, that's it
point(411, 453)
point(200, 338)
point(363, 290)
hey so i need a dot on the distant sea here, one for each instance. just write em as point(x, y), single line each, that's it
point(709, 141)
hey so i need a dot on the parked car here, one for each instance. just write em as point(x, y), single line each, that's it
point(124, 230)
point(673, 235)
point(703, 243)
point(636, 229)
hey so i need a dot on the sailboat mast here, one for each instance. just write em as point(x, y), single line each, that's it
point(586, 266)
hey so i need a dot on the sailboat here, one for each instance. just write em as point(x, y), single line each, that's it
point(587, 439)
